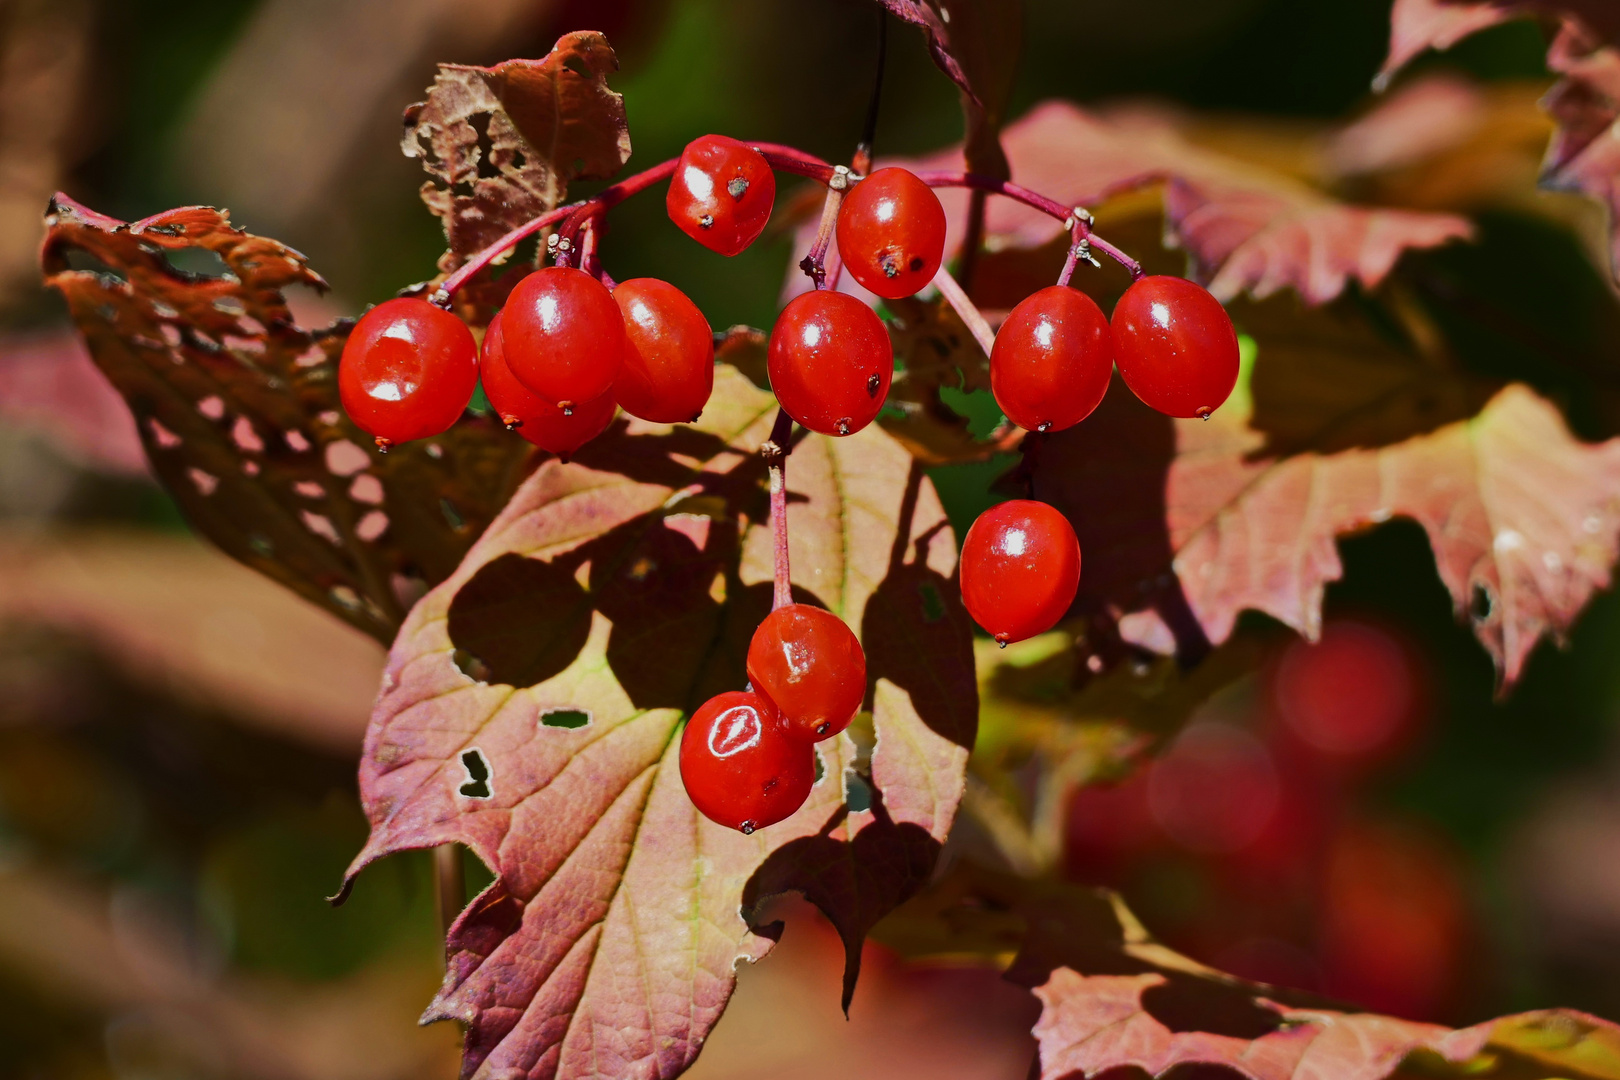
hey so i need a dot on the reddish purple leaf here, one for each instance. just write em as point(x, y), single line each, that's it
point(976, 43)
point(610, 597)
point(502, 144)
point(1585, 152)
point(49, 384)
point(238, 412)
point(1246, 229)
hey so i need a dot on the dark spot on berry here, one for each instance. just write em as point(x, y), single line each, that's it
point(916, 263)
point(738, 187)
point(706, 221)
point(746, 828)
point(872, 385)
point(1045, 425)
point(770, 785)
point(843, 425)
point(890, 268)
point(821, 728)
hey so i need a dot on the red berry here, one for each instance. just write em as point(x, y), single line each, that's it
point(1052, 360)
point(891, 233)
point(1175, 346)
point(1020, 569)
point(830, 361)
point(721, 194)
point(564, 335)
point(535, 418)
point(407, 371)
point(740, 766)
point(807, 663)
point(668, 370)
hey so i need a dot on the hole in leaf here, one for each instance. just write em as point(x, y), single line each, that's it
point(525, 619)
point(261, 545)
point(1483, 603)
point(565, 718)
point(857, 793)
point(320, 525)
point(345, 597)
point(821, 769)
point(245, 437)
point(477, 783)
point(372, 526)
point(408, 588)
point(577, 66)
point(366, 489)
point(309, 489)
point(205, 482)
point(194, 263)
point(79, 259)
point(932, 604)
point(470, 666)
point(212, 407)
point(344, 458)
point(163, 436)
point(486, 147)
point(1188, 1004)
point(451, 514)
point(296, 441)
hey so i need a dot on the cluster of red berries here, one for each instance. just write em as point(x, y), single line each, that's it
point(748, 756)
point(567, 351)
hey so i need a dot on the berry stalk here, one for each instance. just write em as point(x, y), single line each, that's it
point(775, 451)
point(815, 263)
point(970, 314)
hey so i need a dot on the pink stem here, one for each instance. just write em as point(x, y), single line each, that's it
point(776, 450)
point(1049, 207)
point(457, 279)
point(969, 312)
point(815, 263)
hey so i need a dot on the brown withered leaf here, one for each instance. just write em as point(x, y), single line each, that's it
point(1112, 997)
point(934, 350)
point(237, 409)
point(503, 143)
point(613, 595)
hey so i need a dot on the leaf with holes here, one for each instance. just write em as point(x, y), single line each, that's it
point(503, 143)
point(532, 705)
point(1112, 997)
point(1332, 430)
point(237, 409)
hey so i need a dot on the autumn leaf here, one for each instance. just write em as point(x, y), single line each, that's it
point(1196, 521)
point(1585, 103)
point(1112, 997)
point(237, 409)
point(501, 144)
point(532, 705)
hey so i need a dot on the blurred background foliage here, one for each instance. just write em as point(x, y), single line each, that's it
point(178, 738)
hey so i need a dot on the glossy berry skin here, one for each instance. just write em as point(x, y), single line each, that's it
point(564, 336)
point(533, 417)
point(830, 362)
point(408, 371)
point(1020, 569)
point(1175, 346)
point(668, 370)
point(891, 233)
point(740, 765)
point(808, 664)
point(1052, 360)
point(721, 194)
